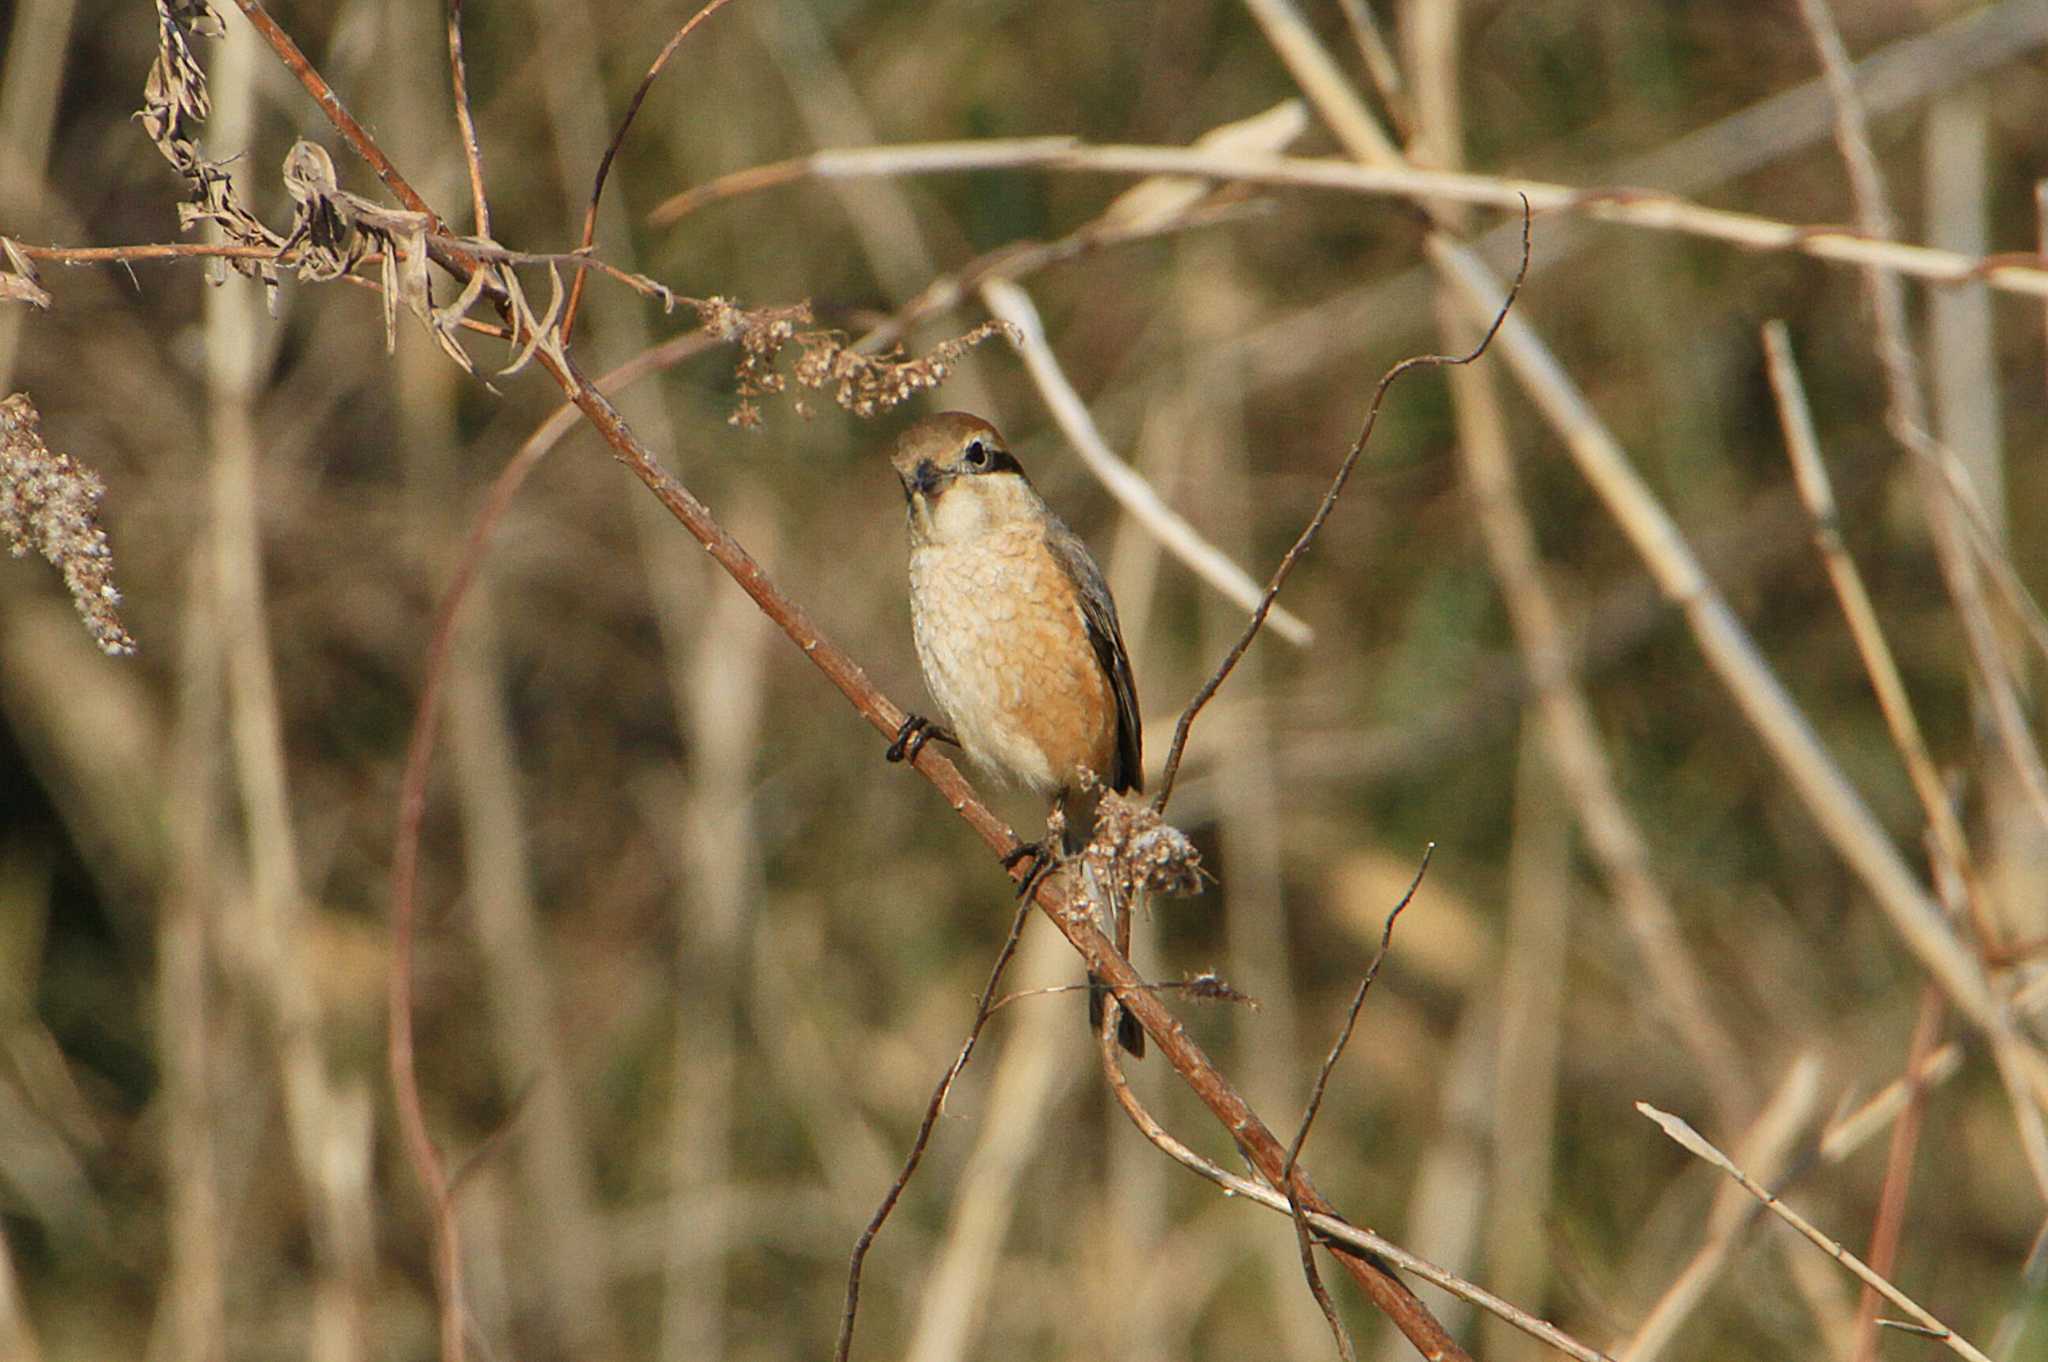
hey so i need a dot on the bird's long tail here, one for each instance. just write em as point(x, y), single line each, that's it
point(1129, 1034)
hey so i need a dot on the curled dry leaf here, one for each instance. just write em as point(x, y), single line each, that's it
point(50, 503)
point(174, 100)
point(18, 283)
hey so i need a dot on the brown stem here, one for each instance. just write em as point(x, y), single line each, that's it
point(472, 150)
point(1075, 922)
point(604, 164)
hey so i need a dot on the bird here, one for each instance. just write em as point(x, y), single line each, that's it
point(1018, 639)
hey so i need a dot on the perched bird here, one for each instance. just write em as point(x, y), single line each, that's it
point(1018, 638)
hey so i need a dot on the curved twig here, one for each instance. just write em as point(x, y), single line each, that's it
point(1315, 1104)
point(1315, 524)
point(611, 151)
point(982, 1011)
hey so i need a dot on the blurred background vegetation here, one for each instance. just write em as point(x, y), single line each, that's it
point(692, 956)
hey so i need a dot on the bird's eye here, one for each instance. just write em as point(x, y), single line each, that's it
point(975, 455)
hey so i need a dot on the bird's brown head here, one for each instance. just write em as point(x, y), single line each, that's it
point(959, 477)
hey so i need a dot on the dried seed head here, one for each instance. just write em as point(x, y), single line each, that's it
point(50, 503)
point(1134, 851)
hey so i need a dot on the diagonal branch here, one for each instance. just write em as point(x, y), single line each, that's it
point(1073, 918)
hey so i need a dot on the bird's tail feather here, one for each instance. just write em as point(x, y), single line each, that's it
point(1129, 1034)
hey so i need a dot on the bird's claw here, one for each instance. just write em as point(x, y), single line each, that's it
point(1044, 860)
point(911, 737)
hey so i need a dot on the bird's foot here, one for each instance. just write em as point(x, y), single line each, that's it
point(1044, 860)
point(913, 735)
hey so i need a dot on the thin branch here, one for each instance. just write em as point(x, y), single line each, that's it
point(1315, 524)
point(1650, 210)
point(982, 1010)
point(611, 151)
point(1898, 1169)
point(1315, 1105)
point(472, 150)
point(1074, 920)
point(357, 137)
point(1334, 1227)
point(1697, 1145)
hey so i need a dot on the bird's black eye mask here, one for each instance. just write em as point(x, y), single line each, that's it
point(984, 456)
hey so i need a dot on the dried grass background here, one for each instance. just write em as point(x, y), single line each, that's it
point(692, 956)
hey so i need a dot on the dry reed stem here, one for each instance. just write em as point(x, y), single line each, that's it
point(1839, 810)
point(1379, 61)
point(1896, 76)
point(1678, 987)
point(1851, 1130)
point(519, 987)
point(1601, 461)
point(1767, 1145)
point(195, 860)
point(1010, 303)
point(1255, 803)
point(277, 909)
point(1698, 1146)
point(1955, 509)
point(1802, 444)
point(31, 77)
point(1649, 210)
point(1521, 1190)
point(1023, 1092)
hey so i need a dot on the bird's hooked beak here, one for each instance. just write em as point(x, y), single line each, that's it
point(922, 479)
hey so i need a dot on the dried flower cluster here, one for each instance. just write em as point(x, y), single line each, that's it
point(50, 503)
point(863, 384)
point(760, 332)
point(868, 384)
point(1134, 851)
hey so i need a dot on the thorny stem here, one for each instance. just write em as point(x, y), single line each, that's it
point(1316, 522)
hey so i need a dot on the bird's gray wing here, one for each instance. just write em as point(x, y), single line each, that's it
point(1098, 610)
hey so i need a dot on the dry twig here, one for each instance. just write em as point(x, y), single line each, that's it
point(1315, 1104)
point(844, 1347)
point(1698, 1145)
point(1316, 522)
